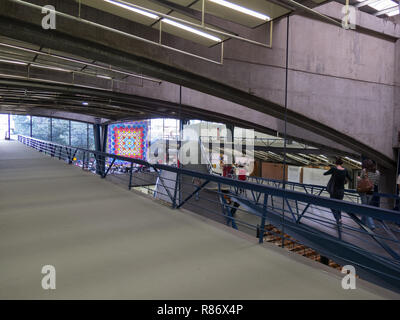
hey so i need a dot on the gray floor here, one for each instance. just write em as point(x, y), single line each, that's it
point(106, 243)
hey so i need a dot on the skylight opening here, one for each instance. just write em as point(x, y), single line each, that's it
point(383, 4)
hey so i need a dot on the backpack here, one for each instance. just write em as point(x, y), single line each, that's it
point(365, 185)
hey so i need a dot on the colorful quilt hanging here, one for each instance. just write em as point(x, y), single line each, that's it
point(128, 139)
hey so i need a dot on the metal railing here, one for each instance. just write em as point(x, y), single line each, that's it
point(349, 194)
point(249, 206)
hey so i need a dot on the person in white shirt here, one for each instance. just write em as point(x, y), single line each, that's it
point(398, 181)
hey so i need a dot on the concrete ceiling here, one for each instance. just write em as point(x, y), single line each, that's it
point(35, 79)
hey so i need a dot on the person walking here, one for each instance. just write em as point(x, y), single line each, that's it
point(397, 202)
point(369, 172)
point(336, 185)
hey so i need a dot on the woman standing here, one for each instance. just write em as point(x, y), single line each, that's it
point(369, 171)
point(338, 180)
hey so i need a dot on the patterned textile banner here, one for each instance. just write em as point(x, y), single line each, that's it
point(128, 139)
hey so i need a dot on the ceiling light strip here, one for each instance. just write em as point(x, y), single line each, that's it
point(227, 34)
point(166, 20)
point(190, 29)
point(133, 9)
point(13, 61)
point(241, 9)
point(43, 66)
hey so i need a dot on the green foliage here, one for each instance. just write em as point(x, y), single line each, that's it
point(57, 130)
point(22, 125)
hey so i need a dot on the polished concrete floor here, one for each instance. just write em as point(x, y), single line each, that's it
point(109, 243)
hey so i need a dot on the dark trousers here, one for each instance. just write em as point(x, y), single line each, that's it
point(375, 201)
point(338, 194)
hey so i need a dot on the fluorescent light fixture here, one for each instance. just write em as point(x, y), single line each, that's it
point(103, 77)
point(242, 9)
point(85, 103)
point(125, 6)
point(171, 22)
point(190, 29)
point(13, 62)
point(50, 68)
point(358, 162)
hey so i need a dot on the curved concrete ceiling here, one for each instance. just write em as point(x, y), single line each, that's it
point(75, 40)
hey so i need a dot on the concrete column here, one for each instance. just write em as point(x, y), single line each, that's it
point(388, 181)
point(396, 98)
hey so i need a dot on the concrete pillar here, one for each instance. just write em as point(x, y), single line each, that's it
point(388, 181)
point(396, 98)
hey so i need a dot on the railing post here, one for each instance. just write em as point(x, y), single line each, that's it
point(174, 205)
point(130, 176)
point(263, 218)
point(83, 160)
point(70, 157)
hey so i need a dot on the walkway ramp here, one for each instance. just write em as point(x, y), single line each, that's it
point(110, 243)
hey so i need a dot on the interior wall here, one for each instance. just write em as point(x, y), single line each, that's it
point(272, 170)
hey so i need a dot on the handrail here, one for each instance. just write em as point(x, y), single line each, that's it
point(304, 215)
point(375, 212)
point(316, 186)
